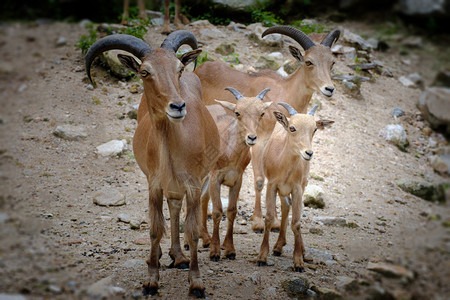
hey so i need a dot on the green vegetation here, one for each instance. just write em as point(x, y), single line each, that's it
point(308, 28)
point(267, 18)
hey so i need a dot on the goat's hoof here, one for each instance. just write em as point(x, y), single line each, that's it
point(275, 230)
point(231, 256)
point(182, 266)
point(258, 231)
point(149, 291)
point(276, 253)
point(186, 247)
point(206, 245)
point(262, 264)
point(198, 293)
point(299, 269)
point(215, 257)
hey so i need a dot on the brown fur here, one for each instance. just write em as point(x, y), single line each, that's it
point(296, 90)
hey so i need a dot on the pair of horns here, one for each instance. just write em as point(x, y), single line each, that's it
point(136, 46)
point(292, 110)
point(239, 95)
point(301, 37)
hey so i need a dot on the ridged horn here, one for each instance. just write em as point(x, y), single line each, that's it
point(331, 38)
point(177, 38)
point(313, 110)
point(263, 93)
point(125, 42)
point(291, 32)
point(235, 93)
point(289, 108)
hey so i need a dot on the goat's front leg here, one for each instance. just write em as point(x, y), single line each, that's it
point(196, 286)
point(177, 22)
point(142, 12)
point(228, 244)
point(178, 259)
point(285, 207)
point(258, 175)
point(156, 233)
point(270, 212)
point(204, 200)
point(299, 249)
point(166, 26)
point(214, 191)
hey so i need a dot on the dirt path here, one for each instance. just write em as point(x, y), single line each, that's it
point(55, 242)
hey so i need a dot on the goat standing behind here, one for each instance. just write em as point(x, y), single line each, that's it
point(238, 132)
point(286, 165)
point(175, 143)
point(313, 75)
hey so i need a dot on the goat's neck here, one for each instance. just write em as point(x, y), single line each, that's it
point(296, 86)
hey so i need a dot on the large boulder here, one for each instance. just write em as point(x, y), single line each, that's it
point(421, 7)
point(110, 60)
point(435, 106)
point(241, 5)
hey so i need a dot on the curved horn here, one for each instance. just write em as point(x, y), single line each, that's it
point(289, 108)
point(177, 38)
point(263, 93)
point(313, 110)
point(124, 42)
point(331, 38)
point(291, 32)
point(235, 93)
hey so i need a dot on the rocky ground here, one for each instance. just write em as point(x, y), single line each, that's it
point(371, 240)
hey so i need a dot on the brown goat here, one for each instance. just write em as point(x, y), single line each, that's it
point(238, 132)
point(286, 165)
point(297, 89)
point(175, 144)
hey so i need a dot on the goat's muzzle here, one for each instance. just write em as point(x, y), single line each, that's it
point(176, 111)
point(307, 154)
point(251, 140)
point(327, 90)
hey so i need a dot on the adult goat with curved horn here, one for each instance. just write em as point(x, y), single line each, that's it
point(313, 75)
point(176, 143)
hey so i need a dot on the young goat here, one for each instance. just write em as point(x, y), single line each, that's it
point(237, 133)
point(176, 142)
point(286, 165)
point(313, 75)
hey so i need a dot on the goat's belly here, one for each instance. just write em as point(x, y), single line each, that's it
point(284, 189)
point(230, 178)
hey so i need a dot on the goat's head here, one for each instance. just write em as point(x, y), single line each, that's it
point(159, 69)
point(249, 112)
point(318, 60)
point(300, 129)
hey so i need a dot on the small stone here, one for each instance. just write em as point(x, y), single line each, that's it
point(109, 196)
point(225, 49)
point(291, 66)
point(406, 81)
point(134, 263)
point(330, 220)
point(318, 256)
point(212, 33)
point(413, 42)
point(346, 283)
point(276, 55)
point(440, 163)
point(434, 104)
point(296, 287)
point(316, 230)
point(398, 112)
point(54, 289)
point(90, 87)
point(104, 289)
point(356, 40)
point(135, 224)
point(12, 297)
point(425, 190)
point(62, 41)
point(132, 114)
point(242, 222)
point(390, 270)
point(142, 241)
point(396, 135)
point(4, 218)
point(442, 78)
point(313, 196)
point(255, 278)
point(112, 62)
point(329, 294)
point(70, 132)
point(111, 148)
point(124, 218)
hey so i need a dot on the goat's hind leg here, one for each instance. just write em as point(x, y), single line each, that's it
point(228, 243)
point(178, 259)
point(196, 286)
point(299, 249)
point(156, 233)
point(270, 209)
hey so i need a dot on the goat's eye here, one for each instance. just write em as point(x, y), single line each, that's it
point(262, 115)
point(309, 63)
point(292, 129)
point(144, 73)
point(237, 114)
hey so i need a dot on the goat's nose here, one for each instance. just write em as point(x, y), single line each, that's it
point(177, 106)
point(330, 89)
point(252, 137)
point(309, 152)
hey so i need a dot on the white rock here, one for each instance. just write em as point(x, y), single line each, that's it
point(406, 81)
point(313, 192)
point(330, 220)
point(355, 39)
point(276, 55)
point(201, 23)
point(70, 132)
point(12, 297)
point(112, 148)
point(124, 218)
point(3, 219)
point(212, 33)
point(104, 289)
point(109, 196)
point(395, 134)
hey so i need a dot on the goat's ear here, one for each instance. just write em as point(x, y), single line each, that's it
point(281, 118)
point(129, 62)
point(190, 56)
point(267, 104)
point(321, 124)
point(296, 53)
point(227, 105)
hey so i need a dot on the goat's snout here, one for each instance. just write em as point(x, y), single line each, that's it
point(251, 139)
point(177, 106)
point(328, 90)
point(176, 111)
point(307, 154)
